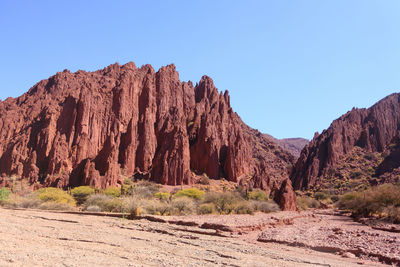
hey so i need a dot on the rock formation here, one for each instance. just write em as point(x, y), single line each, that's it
point(94, 128)
point(372, 132)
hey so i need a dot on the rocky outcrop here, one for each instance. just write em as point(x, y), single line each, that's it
point(95, 128)
point(286, 197)
point(373, 130)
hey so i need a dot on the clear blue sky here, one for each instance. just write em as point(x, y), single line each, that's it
point(291, 66)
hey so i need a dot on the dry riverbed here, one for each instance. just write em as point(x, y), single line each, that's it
point(41, 238)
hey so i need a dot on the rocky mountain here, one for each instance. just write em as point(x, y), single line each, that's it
point(292, 145)
point(94, 128)
point(359, 149)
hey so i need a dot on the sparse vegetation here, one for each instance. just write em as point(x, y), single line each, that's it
point(183, 205)
point(162, 195)
point(382, 201)
point(257, 194)
point(113, 191)
point(206, 208)
point(265, 206)
point(224, 202)
point(191, 193)
point(4, 193)
point(55, 195)
point(81, 193)
point(144, 198)
point(305, 203)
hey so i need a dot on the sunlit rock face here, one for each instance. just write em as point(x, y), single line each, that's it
point(93, 128)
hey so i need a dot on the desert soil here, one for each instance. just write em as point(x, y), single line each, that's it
point(42, 238)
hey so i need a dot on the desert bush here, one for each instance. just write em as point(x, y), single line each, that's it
point(244, 207)
point(393, 214)
point(4, 193)
point(93, 209)
point(224, 202)
point(141, 192)
point(115, 205)
point(55, 206)
point(28, 201)
point(112, 191)
point(81, 193)
point(374, 201)
point(98, 200)
point(335, 198)
point(257, 194)
point(156, 207)
point(265, 206)
point(182, 205)
point(132, 206)
point(152, 187)
point(193, 193)
point(163, 196)
point(206, 208)
point(321, 196)
point(51, 194)
point(305, 203)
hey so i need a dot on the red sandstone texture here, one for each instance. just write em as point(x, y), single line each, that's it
point(89, 128)
point(375, 129)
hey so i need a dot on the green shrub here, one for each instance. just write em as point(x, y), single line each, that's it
point(224, 202)
point(193, 193)
point(244, 207)
point(257, 194)
point(266, 206)
point(81, 193)
point(321, 196)
point(4, 193)
point(206, 208)
point(162, 196)
point(51, 194)
point(112, 191)
point(182, 205)
point(305, 203)
point(374, 201)
point(114, 205)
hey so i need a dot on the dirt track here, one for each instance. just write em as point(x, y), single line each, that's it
point(39, 238)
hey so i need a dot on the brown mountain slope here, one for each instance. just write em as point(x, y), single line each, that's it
point(91, 127)
point(292, 145)
point(359, 148)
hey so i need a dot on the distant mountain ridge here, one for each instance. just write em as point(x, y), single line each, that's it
point(292, 145)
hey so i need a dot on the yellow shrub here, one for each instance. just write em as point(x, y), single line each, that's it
point(191, 192)
point(162, 195)
point(113, 191)
point(51, 194)
point(81, 193)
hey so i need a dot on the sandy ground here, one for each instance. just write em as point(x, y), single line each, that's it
point(40, 238)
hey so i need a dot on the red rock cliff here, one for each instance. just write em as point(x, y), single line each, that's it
point(370, 129)
point(89, 127)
